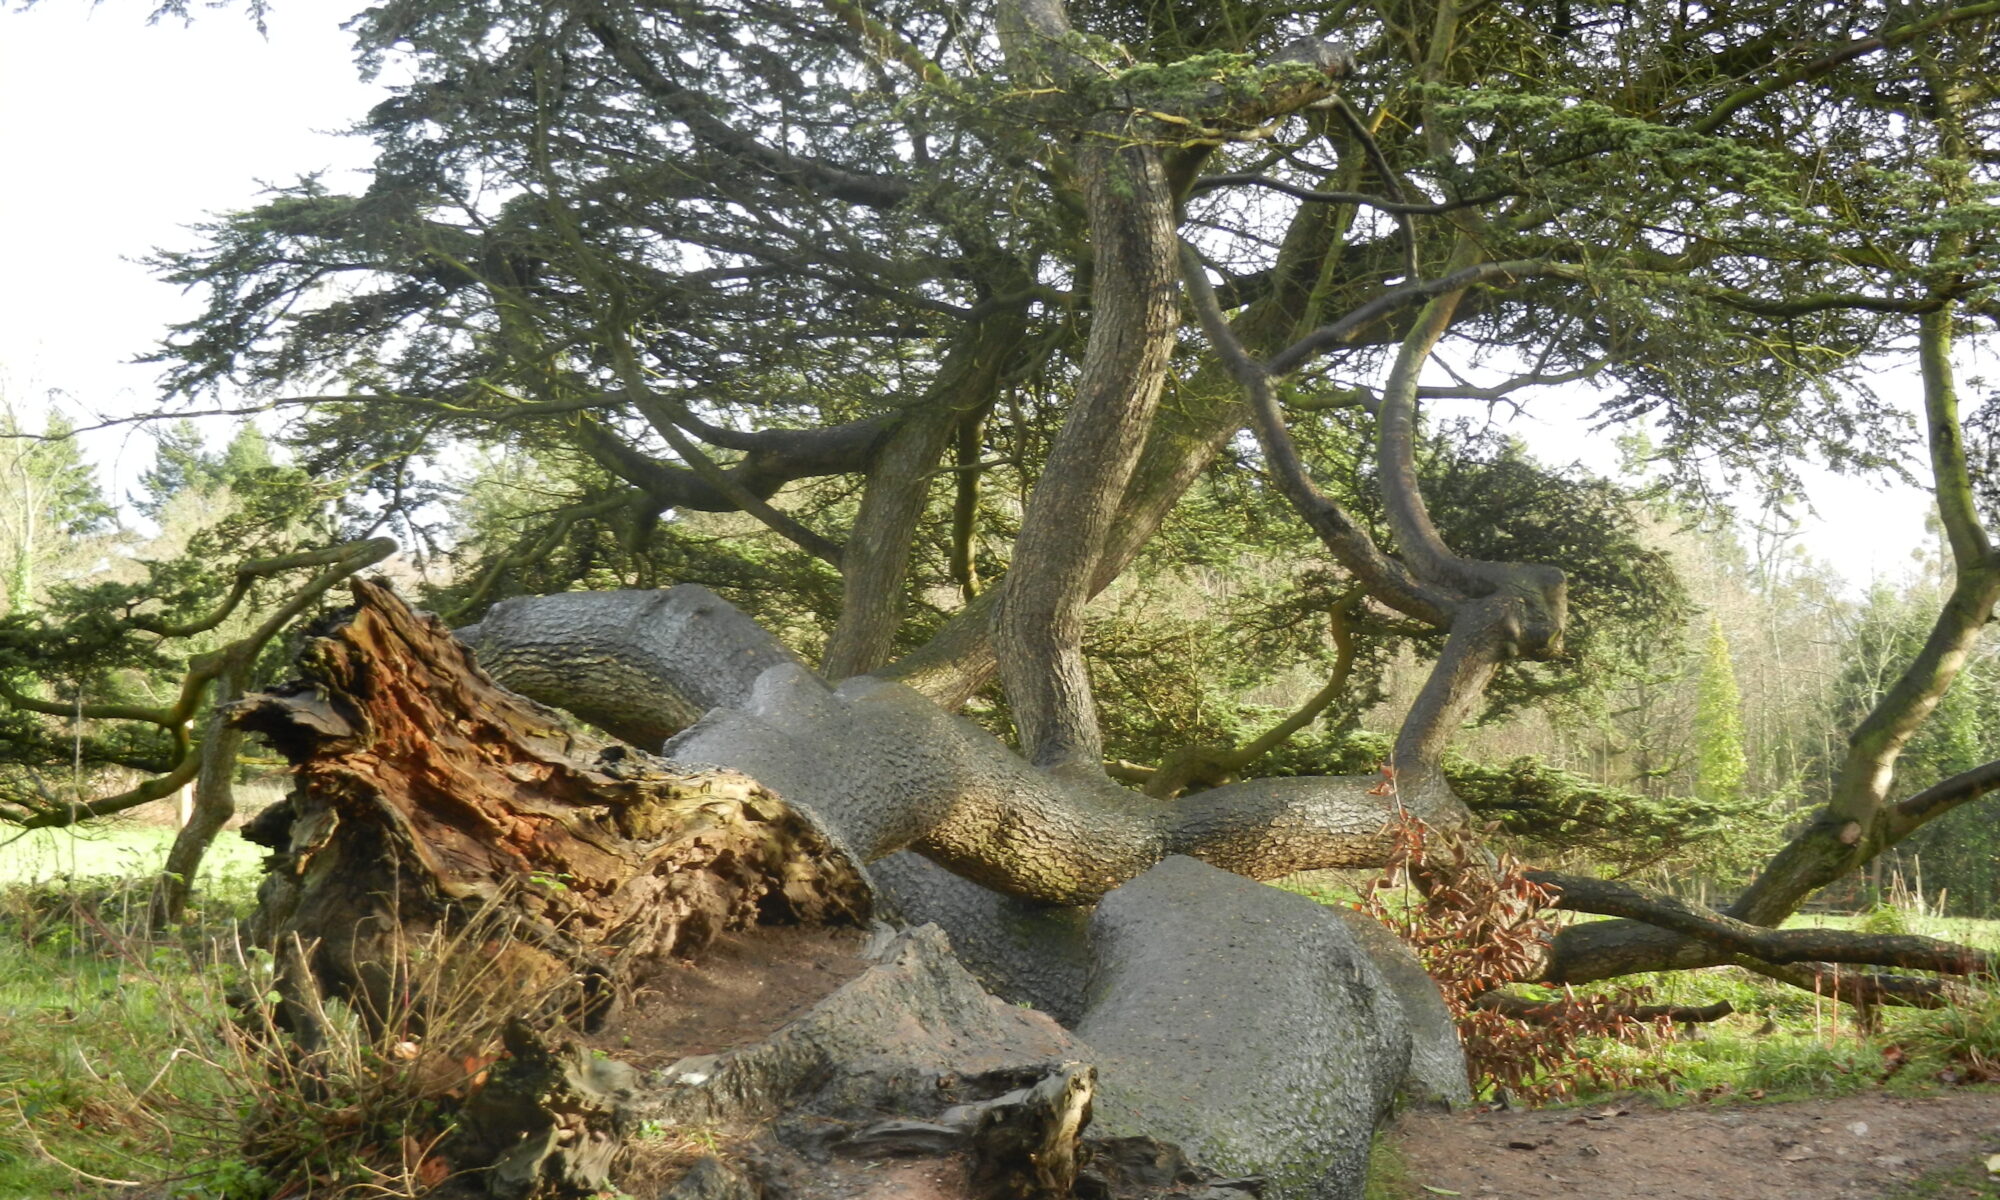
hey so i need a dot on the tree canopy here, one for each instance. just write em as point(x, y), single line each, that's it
point(914, 328)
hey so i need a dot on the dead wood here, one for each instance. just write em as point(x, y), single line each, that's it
point(423, 792)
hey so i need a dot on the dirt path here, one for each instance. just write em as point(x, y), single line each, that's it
point(1868, 1145)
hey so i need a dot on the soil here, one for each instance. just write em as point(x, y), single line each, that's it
point(745, 987)
point(1869, 1145)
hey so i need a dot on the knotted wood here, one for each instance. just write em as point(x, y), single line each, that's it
point(424, 792)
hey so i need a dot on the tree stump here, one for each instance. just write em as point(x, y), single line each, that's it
point(423, 793)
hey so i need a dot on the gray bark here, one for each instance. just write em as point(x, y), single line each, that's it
point(877, 557)
point(642, 665)
point(1244, 1024)
point(889, 770)
point(1038, 623)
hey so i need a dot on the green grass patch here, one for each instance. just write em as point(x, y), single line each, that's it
point(113, 1063)
point(116, 850)
point(1969, 1182)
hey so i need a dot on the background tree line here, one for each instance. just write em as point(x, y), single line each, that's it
point(1707, 717)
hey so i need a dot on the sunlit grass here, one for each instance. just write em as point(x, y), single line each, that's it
point(110, 1040)
point(112, 850)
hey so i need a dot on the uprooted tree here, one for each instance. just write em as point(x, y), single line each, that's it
point(852, 271)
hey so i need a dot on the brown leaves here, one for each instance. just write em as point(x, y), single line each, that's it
point(1478, 924)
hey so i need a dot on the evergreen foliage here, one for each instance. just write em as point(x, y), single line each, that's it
point(1720, 765)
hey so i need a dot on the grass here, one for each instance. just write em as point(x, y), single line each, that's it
point(114, 1065)
point(116, 1053)
point(1969, 1182)
point(114, 850)
point(112, 1058)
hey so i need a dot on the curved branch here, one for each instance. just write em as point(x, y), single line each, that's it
point(229, 662)
point(1333, 335)
point(885, 768)
point(1940, 798)
point(1312, 195)
point(1779, 946)
point(1386, 579)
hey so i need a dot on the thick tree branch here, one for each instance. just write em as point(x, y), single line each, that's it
point(899, 483)
point(886, 768)
point(1780, 946)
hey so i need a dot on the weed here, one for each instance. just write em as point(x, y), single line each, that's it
point(1885, 919)
point(1807, 1065)
point(128, 1059)
point(1964, 1037)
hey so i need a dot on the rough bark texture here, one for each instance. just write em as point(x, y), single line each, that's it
point(878, 551)
point(549, 1117)
point(1244, 1024)
point(421, 789)
point(889, 770)
point(1038, 624)
point(913, 1060)
point(892, 771)
point(642, 665)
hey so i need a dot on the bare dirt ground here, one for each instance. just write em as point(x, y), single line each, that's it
point(1870, 1145)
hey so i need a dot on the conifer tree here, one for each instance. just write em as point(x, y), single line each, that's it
point(1720, 765)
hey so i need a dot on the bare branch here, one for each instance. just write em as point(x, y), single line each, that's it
point(1780, 946)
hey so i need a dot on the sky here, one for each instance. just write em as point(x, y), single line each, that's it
point(116, 136)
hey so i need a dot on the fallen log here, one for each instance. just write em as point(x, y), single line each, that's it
point(668, 1002)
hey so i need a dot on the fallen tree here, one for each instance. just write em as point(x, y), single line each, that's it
point(1229, 1030)
point(1238, 1030)
point(598, 233)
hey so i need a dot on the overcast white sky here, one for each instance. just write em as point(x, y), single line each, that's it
point(116, 136)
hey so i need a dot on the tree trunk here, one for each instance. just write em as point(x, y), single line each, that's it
point(214, 792)
point(1038, 624)
point(570, 876)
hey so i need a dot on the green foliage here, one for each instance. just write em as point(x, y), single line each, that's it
point(1718, 726)
point(49, 503)
point(184, 467)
